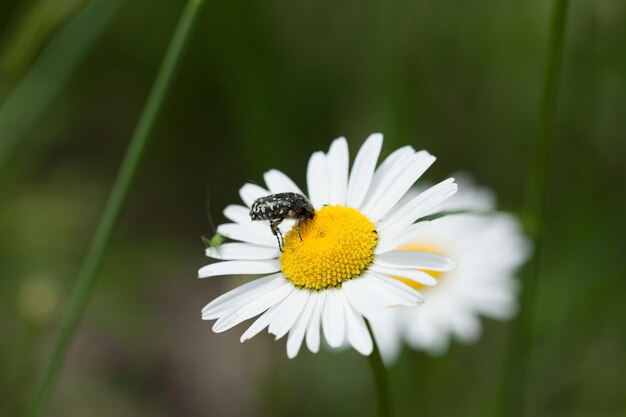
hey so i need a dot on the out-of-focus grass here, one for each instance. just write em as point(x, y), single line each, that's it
point(36, 91)
point(267, 85)
point(32, 26)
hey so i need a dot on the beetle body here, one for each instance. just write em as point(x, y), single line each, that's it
point(281, 206)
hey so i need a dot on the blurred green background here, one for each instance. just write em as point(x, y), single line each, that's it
point(262, 85)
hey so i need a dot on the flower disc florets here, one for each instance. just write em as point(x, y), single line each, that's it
point(337, 245)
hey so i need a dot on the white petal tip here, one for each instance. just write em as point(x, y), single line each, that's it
point(217, 328)
point(366, 352)
point(450, 265)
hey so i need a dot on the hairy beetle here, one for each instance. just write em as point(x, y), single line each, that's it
point(281, 206)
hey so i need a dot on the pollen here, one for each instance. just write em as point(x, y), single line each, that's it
point(434, 274)
point(337, 245)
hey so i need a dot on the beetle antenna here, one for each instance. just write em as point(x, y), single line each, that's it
point(208, 210)
point(217, 239)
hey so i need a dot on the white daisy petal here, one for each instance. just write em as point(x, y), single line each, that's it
point(333, 319)
point(248, 233)
point(254, 307)
point(499, 310)
point(414, 259)
point(398, 157)
point(288, 312)
point(371, 297)
point(259, 324)
point(396, 184)
point(466, 327)
point(420, 206)
point(412, 274)
point(503, 290)
point(298, 330)
point(411, 292)
point(363, 170)
point(495, 301)
point(278, 182)
point(250, 192)
point(391, 167)
point(239, 268)
point(238, 214)
point(313, 329)
point(387, 329)
point(389, 241)
point(338, 161)
point(430, 338)
point(399, 293)
point(242, 251)
point(360, 299)
point(232, 298)
point(317, 180)
point(358, 335)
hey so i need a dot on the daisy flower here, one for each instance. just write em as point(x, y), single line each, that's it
point(339, 269)
point(487, 250)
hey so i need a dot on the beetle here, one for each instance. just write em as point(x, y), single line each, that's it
point(281, 206)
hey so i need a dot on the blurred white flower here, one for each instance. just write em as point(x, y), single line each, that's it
point(487, 250)
point(341, 270)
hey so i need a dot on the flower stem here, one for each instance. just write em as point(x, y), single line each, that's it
point(537, 178)
point(519, 361)
point(381, 378)
point(102, 236)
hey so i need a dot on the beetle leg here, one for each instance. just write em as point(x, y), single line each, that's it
point(298, 222)
point(274, 227)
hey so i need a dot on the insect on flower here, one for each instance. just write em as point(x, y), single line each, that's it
point(216, 241)
point(281, 206)
point(346, 265)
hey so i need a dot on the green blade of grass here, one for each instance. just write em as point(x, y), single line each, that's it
point(516, 370)
point(102, 236)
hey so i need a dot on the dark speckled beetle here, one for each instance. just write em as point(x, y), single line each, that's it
point(281, 206)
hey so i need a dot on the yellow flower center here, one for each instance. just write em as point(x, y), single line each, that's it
point(337, 245)
point(434, 274)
